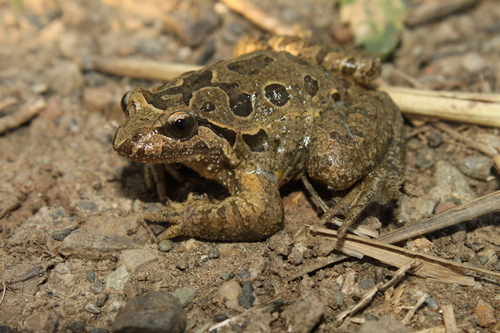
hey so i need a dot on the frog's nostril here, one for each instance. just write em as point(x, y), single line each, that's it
point(137, 137)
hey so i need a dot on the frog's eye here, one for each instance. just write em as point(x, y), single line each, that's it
point(124, 102)
point(181, 125)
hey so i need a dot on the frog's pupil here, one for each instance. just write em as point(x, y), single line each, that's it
point(181, 124)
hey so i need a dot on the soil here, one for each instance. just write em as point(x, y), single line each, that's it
point(74, 249)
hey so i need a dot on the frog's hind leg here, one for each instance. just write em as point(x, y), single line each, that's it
point(381, 185)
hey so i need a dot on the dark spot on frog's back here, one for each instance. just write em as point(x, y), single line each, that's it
point(256, 142)
point(277, 94)
point(250, 66)
point(225, 133)
point(192, 82)
point(310, 86)
point(241, 105)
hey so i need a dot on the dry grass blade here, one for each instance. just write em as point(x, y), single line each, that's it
point(479, 109)
point(377, 288)
point(414, 309)
point(138, 68)
point(450, 324)
point(479, 146)
point(429, 266)
point(259, 17)
point(481, 206)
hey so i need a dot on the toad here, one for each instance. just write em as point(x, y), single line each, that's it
point(282, 109)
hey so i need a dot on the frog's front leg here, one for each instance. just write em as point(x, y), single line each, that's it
point(253, 211)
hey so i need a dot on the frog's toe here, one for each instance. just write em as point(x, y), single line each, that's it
point(172, 232)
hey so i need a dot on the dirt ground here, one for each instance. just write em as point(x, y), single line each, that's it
point(74, 250)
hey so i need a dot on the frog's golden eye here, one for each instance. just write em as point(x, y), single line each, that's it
point(181, 125)
point(124, 102)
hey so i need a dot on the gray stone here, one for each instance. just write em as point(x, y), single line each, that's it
point(155, 311)
point(166, 245)
point(247, 298)
point(413, 208)
point(478, 167)
point(92, 308)
point(103, 236)
point(135, 260)
point(184, 295)
point(60, 235)
point(450, 183)
point(118, 278)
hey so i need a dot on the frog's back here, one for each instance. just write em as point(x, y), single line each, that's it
point(265, 103)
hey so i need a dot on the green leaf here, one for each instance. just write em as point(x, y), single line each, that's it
point(375, 24)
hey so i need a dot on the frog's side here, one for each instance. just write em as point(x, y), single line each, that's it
point(254, 123)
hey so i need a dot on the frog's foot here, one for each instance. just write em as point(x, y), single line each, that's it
point(381, 185)
point(247, 216)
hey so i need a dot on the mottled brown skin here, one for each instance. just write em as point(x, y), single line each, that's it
point(260, 120)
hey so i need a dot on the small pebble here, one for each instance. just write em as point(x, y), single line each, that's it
point(478, 167)
point(97, 287)
point(181, 265)
point(165, 246)
point(155, 311)
point(485, 314)
point(339, 298)
point(219, 318)
point(92, 308)
point(97, 185)
point(213, 253)
point(367, 284)
point(90, 276)
point(482, 259)
point(230, 290)
point(431, 304)
point(184, 295)
point(60, 235)
point(101, 300)
point(245, 274)
point(295, 257)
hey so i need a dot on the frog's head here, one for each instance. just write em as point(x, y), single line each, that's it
point(161, 130)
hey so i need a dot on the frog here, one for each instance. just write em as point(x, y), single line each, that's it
point(283, 108)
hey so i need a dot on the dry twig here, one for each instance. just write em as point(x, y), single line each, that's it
point(479, 146)
point(450, 324)
point(429, 266)
point(414, 309)
point(433, 10)
point(473, 108)
point(6, 102)
point(259, 17)
point(481, 206)
point(400, 273)
point(24, 114)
